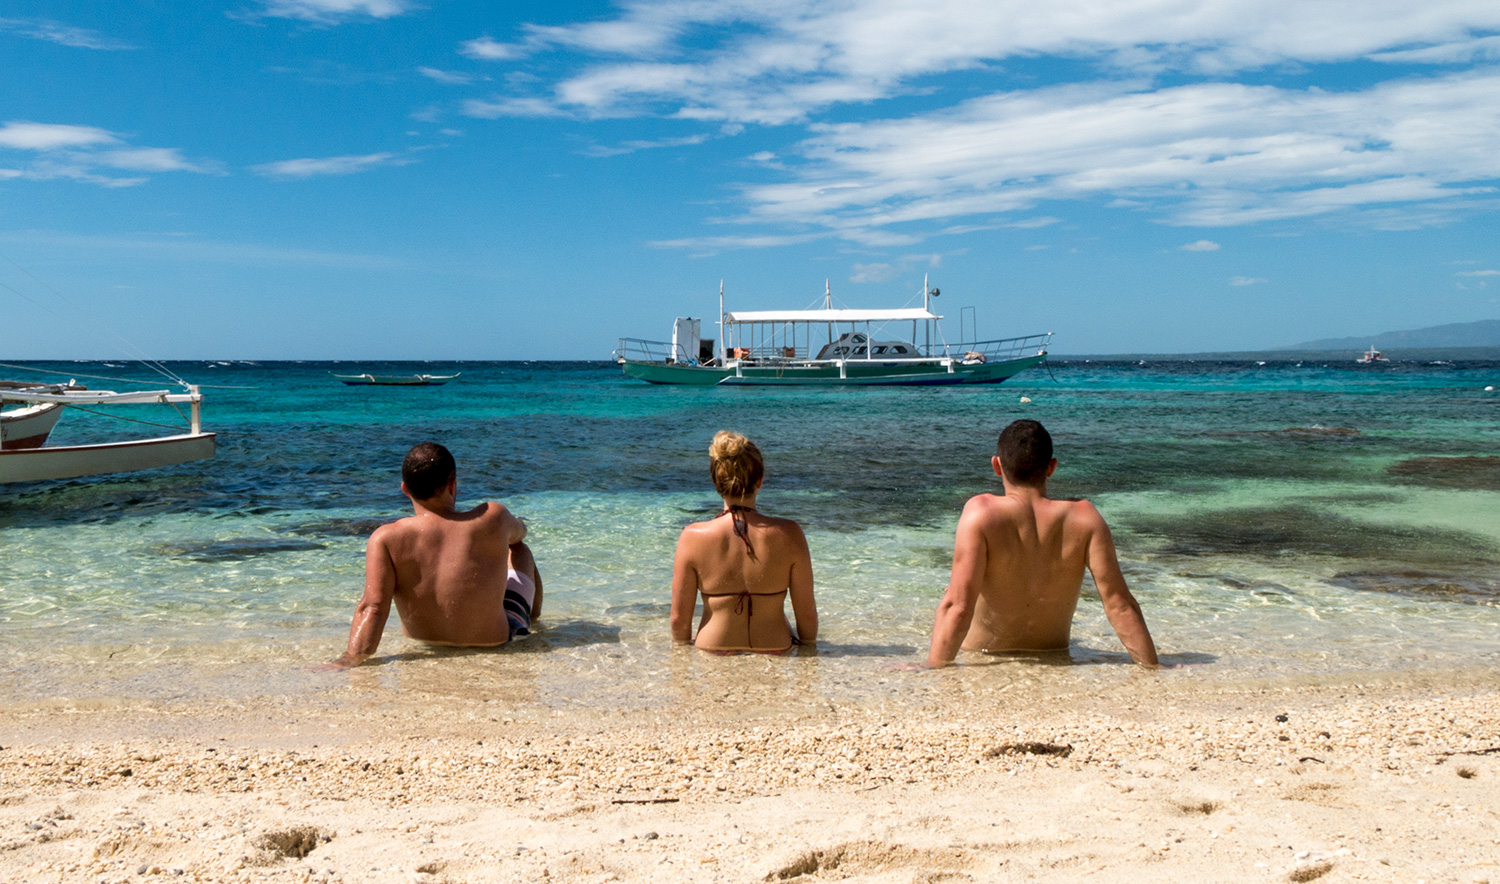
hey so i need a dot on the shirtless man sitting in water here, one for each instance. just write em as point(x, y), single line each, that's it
point(1018, 564)
point(457, 578)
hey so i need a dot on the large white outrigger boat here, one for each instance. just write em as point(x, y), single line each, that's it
point(25, 456)
point(829, 346)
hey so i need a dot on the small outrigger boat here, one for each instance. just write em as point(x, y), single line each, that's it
point(1372, 357)
point(400, 380)
point(831, 346)
point(25, 456)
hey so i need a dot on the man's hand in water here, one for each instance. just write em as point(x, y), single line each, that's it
point(342, 662)
point(908, 667)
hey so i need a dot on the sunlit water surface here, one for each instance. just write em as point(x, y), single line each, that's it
point(1278, 523)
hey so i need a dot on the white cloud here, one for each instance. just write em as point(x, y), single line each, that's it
point(1202, 245)
point(862, 273)
point(149, 159)
point(1458, 52)
point(87, 154)
point(335, 11)
point(1211, 154)
point(1480, 273)
point(1246, 280)
point(633, 146)
point(452, 78)
point(511, 107)
point(485, 49)
point(309, 167)
point(24, 135)
point(1034, 223)
point(778, 61)
point(63, 35)
point(1205, 151)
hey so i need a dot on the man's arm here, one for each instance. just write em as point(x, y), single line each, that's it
point(800, 588)
point(374, 606)
point(956, 611)
point(1120, 606)
point(684, 591)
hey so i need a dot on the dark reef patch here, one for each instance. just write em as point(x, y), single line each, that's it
point(1302, 532)
point(1474, 473)
point(234, 550)
point(1467, 590)
point(337, 528)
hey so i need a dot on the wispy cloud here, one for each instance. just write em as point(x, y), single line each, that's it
point(600, 150)
point(334, 11)
point(1246, 280)
point(452, 78)
point(25, 135)
point(64, 35)
point(1210, 154)
point(87, 154)
point(189, 248)
point(1202, 245)
point(780, 61)
point(313, 167)
point(1480, 273)
point(486, 49)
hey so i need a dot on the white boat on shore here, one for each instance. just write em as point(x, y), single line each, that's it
point(830, 346)
point(25, 456)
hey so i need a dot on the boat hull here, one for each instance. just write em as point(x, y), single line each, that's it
point(73, 461)
point(28, 427)
point(855, 373)
point(662, 373)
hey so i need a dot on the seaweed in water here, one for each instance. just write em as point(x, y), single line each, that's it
point(1300, 531)
point(234, 550)
point(1475, 473)
point(1471, 591)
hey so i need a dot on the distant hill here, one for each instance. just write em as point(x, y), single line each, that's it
point(1484, 333)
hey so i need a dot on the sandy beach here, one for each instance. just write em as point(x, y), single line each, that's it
point(1149, 779)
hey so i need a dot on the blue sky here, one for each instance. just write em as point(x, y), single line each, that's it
point(351, 179)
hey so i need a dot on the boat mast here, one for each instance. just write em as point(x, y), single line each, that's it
point(927, 305)
point(721, 322)
point(827, 305)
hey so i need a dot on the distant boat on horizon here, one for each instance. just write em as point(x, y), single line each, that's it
point(386, 380)
point(831, 346)
point(1371, 357)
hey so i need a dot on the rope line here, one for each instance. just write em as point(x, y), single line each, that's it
point(134, 420)
point(129, 348)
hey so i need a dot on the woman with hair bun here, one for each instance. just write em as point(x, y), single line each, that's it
point(744, 564)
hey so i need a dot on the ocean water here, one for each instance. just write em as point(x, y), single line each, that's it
point(1278, 523)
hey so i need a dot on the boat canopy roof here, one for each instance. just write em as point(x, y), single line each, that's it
point(902, 314)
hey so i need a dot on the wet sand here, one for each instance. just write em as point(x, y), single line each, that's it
point(1133, 777)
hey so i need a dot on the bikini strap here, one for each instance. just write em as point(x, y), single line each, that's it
point(741, 527)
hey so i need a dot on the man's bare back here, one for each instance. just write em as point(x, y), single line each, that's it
point(1018, 563)
point(447, 573)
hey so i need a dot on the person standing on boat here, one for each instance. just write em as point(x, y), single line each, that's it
point(463, 578)
point(1018, 564)
point(744, 563)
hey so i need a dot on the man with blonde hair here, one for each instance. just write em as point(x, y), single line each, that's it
point(1018, 563)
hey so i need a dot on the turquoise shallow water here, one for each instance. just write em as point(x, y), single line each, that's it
point(1276, 522)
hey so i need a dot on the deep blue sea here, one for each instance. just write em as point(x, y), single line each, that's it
point(1276, 522)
